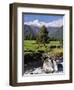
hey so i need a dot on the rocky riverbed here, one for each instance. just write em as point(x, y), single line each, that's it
point(43, 64)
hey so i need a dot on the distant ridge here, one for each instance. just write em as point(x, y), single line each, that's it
point(55, 23)
point(54, 32)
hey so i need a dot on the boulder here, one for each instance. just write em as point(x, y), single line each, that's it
point(55, 67)
point(48, 66)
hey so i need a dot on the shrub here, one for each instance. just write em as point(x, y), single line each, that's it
point(41, 51)
point(58, 46)
point(52, 46)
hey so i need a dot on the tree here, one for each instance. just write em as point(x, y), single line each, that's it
point(43, 35)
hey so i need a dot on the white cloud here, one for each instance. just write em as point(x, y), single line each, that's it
point(55, 23)
point(35, 23)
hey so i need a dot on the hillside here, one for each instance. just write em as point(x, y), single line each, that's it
point(54, 32)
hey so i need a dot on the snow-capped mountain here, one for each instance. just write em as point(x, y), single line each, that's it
point(55, 28)
point(55, 23)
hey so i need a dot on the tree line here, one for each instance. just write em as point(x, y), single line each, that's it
point(41, 36)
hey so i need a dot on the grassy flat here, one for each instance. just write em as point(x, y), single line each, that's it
point(53, 47)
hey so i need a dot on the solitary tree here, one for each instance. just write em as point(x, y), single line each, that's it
point(42, 35)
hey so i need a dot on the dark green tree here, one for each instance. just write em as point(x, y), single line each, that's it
point(43, 35)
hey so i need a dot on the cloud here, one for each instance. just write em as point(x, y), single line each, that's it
point(55, 23)
point(35, 23)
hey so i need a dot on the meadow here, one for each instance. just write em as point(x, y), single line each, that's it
point(52, 48)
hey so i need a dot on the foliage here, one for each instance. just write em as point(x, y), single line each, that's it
point(42, 35)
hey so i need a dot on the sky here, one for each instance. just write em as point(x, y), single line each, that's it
point(43, 18)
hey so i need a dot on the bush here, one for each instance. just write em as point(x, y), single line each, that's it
point(52, 46)
point(58, 46)
point(28, 50)
point(41, 51)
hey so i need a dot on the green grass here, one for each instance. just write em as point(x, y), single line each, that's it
point(32, 46)
point(54, 43)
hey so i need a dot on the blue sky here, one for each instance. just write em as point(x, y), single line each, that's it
point(44, 18)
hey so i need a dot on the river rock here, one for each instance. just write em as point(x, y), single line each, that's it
point(48, 66)
point(55, 67)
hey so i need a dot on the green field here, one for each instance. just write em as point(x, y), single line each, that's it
point(53, 47)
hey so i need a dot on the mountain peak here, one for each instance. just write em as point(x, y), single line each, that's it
point(54, 23)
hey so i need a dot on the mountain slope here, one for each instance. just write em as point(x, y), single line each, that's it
point(54, 32)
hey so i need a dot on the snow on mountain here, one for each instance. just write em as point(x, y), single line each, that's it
point(55, 23)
